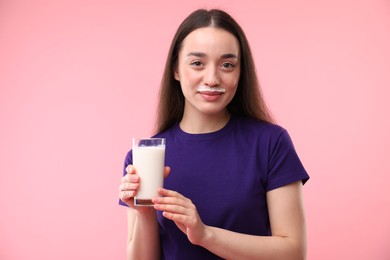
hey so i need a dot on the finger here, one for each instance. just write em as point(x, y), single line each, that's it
point(125, 178)
point(167, 170)
point(183, 219)
point(171, 201)
point(126, 195)
point(130, 178)
point(130, 169)
point(178, 205)
point(189, 221)
point(170, 193)
point(127, 186)
point(171, 208)
point(122, 187)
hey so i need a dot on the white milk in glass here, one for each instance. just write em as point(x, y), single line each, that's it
point(149, 164)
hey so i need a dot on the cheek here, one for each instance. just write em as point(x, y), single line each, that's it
point(188, 76)
point(232, 80)
point(187, 82)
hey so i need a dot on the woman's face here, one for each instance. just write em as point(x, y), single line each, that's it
point(208, 70)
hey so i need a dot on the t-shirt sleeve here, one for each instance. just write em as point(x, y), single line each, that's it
point(284, 165)
point(128, 160)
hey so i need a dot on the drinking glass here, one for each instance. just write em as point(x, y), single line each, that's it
point(148, 160)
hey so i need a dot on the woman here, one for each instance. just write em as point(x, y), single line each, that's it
point(234, 189)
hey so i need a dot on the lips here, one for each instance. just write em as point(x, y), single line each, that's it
point(210, 96)
point(209, 93)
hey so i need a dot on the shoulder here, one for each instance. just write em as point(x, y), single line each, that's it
point(265, 135)
point(257, 127)
point(172, 131)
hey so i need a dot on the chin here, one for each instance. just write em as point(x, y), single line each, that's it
point(214, 111)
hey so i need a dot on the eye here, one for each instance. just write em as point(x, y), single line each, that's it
point(228, 66)
point(196, 63)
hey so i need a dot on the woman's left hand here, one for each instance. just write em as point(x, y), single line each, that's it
point(183, 212)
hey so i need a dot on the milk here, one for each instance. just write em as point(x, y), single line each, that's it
point(149, 164)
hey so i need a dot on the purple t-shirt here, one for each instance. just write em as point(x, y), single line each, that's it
point(226, 174)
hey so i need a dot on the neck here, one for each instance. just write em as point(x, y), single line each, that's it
point(200, 124)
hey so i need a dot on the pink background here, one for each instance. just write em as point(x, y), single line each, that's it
point(79, 79)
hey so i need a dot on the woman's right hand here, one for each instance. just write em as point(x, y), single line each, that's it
point(130, 184)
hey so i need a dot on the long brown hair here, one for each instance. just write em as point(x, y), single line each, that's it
point(248, 100)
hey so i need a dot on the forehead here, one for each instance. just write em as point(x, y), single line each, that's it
point(211, 40)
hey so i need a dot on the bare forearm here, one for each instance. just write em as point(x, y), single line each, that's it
point(143, 239)
point(232, 245)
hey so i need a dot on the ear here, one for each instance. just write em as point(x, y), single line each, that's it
point(176, 71)
point(176, 75)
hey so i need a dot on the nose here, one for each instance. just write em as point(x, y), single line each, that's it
point(211, 77)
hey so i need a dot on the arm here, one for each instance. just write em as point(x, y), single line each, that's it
point(143, 240)
point(288, 240)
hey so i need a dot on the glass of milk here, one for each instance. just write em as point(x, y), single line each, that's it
point(148, 160)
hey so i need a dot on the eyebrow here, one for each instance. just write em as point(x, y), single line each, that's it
point(229, 56)
point(201, 55)
point(197, 54)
